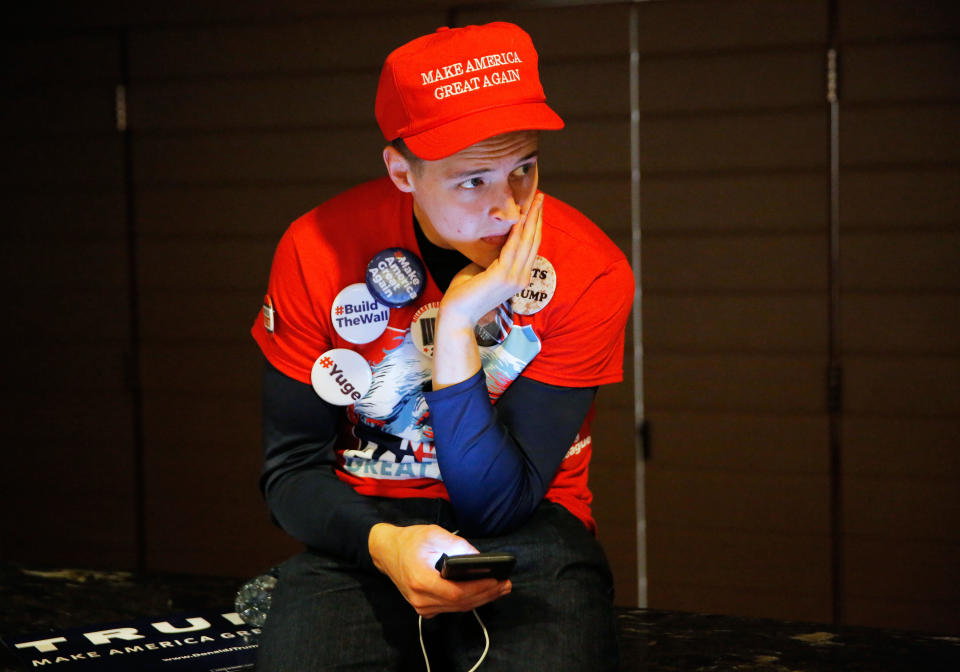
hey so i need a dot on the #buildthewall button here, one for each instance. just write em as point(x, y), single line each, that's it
point(396, 277)
point(357, 316)
point(341, 377)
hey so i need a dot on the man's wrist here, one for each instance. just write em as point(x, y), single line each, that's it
point(378, 543)
point(453, 320)
point(456, 357)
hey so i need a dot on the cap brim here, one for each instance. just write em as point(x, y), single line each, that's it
point(450, 138)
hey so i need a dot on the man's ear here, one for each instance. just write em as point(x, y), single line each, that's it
point(398, 168)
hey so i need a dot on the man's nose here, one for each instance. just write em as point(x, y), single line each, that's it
point(507, 207)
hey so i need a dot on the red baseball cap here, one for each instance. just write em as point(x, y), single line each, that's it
point(453, 88)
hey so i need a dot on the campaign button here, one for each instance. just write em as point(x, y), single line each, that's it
point(341, 377)
point(537, 294)
point(357, 316)
point(423, 327)
point(493, 327)
point(396, 277)
point(268, 314)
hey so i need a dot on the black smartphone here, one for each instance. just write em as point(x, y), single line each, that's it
point(476, 566)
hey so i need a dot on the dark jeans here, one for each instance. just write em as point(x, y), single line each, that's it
point(330, 615)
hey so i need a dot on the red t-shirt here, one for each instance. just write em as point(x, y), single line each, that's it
point(582, 293)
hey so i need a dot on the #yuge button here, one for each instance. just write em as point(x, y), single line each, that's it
point(357, 316)
point(341, 377)
point(396, 277)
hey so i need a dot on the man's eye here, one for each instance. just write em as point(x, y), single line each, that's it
point(520, 171)
point(472, 183)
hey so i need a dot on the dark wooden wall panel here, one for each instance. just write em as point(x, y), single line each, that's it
point(731, 382)
point(920, 135)
point(742, 142)
point(574, 150)
point(68, 108)
point(284, 101)
point(562, 33)
point(897, 322)
point(208, 263)
point(895, 20)
point(737, 441)
point(736, 262)
point(45, 59)
point(881, 72)
point(324, 43)
point(779, 202)
point(730, 323)
point(915, 198)
point(730, 81)
point(260, 211)
point(94, 161)
point(733, 152)
point(207, 452)
point(612, 480)
point(69, 473)
point(901, 313)
point(590, 89)
point(199, 316)
point(703, 25)
point(890, 384)
point(907, 260)
point(257, 157)
point(603, 198)
point(74, 212)
point(874, 446)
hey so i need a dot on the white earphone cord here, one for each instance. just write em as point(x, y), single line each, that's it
point(483, 656)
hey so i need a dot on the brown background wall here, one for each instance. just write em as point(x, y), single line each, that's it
point(143, 255)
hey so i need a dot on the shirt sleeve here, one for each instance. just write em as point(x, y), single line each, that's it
point(298, 479)
point(299, 332)
point(498, 460)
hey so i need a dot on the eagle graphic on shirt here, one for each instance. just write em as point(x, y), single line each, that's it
point(392, 420)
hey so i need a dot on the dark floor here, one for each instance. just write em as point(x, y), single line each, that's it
point(44, 601)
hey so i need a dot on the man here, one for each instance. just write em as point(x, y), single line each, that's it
point(434, 341)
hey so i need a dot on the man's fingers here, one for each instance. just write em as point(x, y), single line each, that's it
point(520, 250)
point(537, 235)
point(463, 596)
point(521, 234)
point(533, 233)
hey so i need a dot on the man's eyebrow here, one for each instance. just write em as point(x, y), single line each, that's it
point(481, 171)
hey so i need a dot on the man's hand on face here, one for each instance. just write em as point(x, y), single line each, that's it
point(408, 556)
point(475, 291)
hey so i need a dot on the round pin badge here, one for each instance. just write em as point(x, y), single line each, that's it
point(396, 277)
point(357, 316)
point(543, 285)
point(493, 327)
point(423, 327)
point(341, 377)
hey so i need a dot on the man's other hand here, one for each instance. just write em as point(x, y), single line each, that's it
point(408, 555)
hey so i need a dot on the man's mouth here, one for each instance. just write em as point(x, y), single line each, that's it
point(496, 241)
